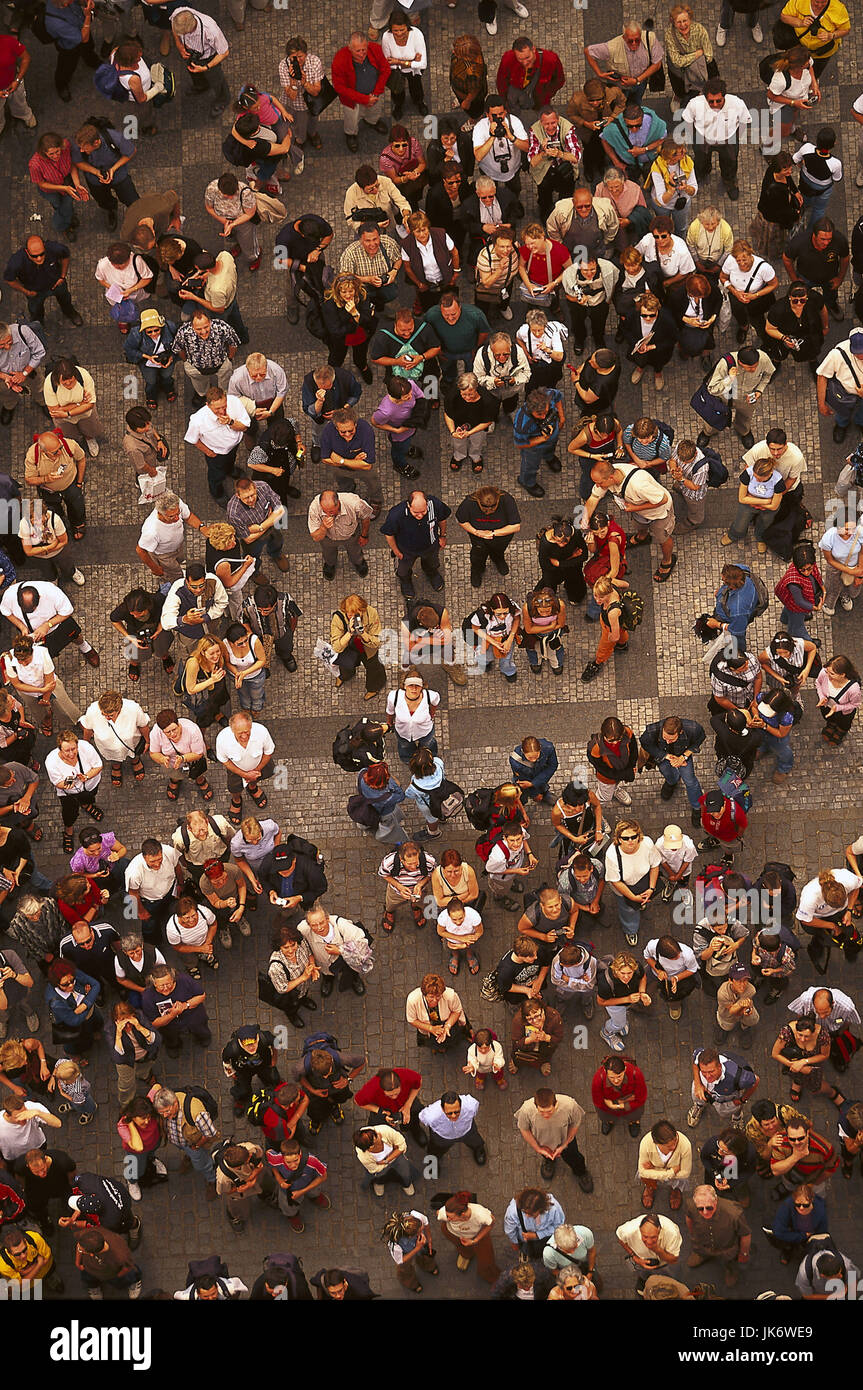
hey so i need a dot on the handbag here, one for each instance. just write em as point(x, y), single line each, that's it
point(269, 209)
point(325, 97)
point(420, 414)
point(489, 989)
point(326, 653)
point(541, 299)
point(362, 812)
point(836, 392)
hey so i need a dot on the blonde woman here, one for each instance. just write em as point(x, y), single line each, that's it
point(226, 560)
point(349, 319)
point(496, 269)
point(206, 691)
point(120, 730)
point(541, 265)
point(355, 633)
point(792, 88)
point(613, 636)
point(673, 184)
point(688, 54)
point(750, 283)
point(632, 864)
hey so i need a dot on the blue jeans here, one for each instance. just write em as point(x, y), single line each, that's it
point(85, 1107)
point(399, 450)
point(686, 775)
point(251, 693)
point(533, 659)
point(794, 624)
point(201, 1160)
point(64, 210)
point(816, 206)
point(156, 377)
point(407, 747)
point(749, 516)
point(629, 914)
point(781, 750)
point(591, 608)
point(122, 1281)
point(487, 658)
point(531, 459)
point(844, 414)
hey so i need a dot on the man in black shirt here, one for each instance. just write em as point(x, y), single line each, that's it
point(406, 346)
point(796, 325)
point(46, 1176)
point(137, 618)
point(249, 1061)
point(491, 519)
point(819, 255)
point(416, 530)
point(300, 247)
point(38, 269)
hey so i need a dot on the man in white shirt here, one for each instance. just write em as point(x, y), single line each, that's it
point(499, 141)
point(42, 611)
point(162, 542)
point(661, 247)
point(650, 1242)
point(203, 48)
point(834, 1009)
point(452, 1120)
point(713, 121)
point(152, 879)
point(22, 1125)
point(637, 491)
point(216, 430)
point(842, 366)
point(245, 750)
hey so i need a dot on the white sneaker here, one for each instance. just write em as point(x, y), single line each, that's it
point(721, 36)
point(491, 27)
point(828, 612)
point(159, 1166)
point(134, 1191)
point(521, 10)
point(33, 1022)
point(378, 1189)
point(78, 578)
point(847, 603)
point(92, 448)
point(506, 313)
point(757, 33)
point(622, 796)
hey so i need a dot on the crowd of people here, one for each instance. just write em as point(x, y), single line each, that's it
point(463, 274)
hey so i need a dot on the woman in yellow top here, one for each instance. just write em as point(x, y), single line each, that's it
point(355, 633)
point(689, 55)
point(673, 184)
point(820, 26)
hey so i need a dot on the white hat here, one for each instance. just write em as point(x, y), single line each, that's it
point(672, 837)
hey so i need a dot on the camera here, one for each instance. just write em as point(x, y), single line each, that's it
point(296, 70)
point(499, 129)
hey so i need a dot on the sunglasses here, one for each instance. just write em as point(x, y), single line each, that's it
point(399, 144)
point(698, 1208)
point(803, 1206)
point(798, 298)
point(629, 837)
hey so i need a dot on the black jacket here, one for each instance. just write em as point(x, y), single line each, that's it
point(472, 214)
point(653, 743)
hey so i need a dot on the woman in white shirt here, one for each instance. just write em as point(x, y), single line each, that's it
point(404, 48)
point(460, 928)
point(70, 396)
point(544, 344)
point(119, 728)
point(411, 712)
point(749, 283)
point(29, 670)
point(792, 88)
point(74, 770)
point(675, 968)
point(632, 869)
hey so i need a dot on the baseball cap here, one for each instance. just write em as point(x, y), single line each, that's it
point(714, 801)
point(855, 342)
point(672, 837)
point(740, 972)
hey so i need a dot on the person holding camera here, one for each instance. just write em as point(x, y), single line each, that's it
point(301, 74)
point(241, 1173)
point(554, 156)
point(673, 183)
point(629, 60)
point(203, 48)
point(499, 141)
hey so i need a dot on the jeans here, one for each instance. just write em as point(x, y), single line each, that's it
point(251, 693)
point(487, 658)
point(36, 305)
point(794, 624)
point(629, 914)
point(816, 206)
point(201, 1160)
point(156, 378)
point(472, 1140)
point(750, 516)
point(64, 210)
point(399, 451)
point(686, 775)
point(591, 608)
point(617, 1014)
point(399, 1169)
point(781, 749)
point(726, 16)
point(844, 414)
point(532, 457)
point(407, 747)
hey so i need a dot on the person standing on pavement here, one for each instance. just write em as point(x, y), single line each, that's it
point(722, 1083)
point(360, 73)
point(717, 1231)
point(416, 530)
point(549, 1124)
point(340, 518)
point(258, 519)
point(203, 48)
point(672, 744)
point(467, 1225)
point(452, 1120)
point(216, 431)
point(664, 1160)
point(39, 271)
point(189, 1126)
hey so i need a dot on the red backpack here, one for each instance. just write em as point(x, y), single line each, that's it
point(486, 843)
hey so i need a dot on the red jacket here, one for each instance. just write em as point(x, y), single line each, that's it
point(633, 1091)
point(510, 74)
point(731, 821)
point(342, 74)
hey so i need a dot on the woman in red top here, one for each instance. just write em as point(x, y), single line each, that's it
point(79, 897)
point(51, 171)
point(541, 265)
point(403, 161)
point(141, 1134)
point(618, 1091)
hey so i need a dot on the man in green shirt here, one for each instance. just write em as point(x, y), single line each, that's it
point(461, 329)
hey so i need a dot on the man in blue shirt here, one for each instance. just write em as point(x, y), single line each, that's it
point(348, 445)
point(102, 155)
point(535, 428)
point(68, 23)
point(38, 269)
point(416, 530)
point(324, 390)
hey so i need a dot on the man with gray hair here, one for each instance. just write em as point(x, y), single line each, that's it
point(571, 1245)
point(628, 60)
point(189, 1127)
point(21, 351)
point(162, 542)
point(359, 74)
point(203, 48)
point(325, 390)
point(717, 1231)
point(502, 368)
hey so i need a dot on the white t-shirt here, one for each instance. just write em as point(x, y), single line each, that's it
point(469, 1225)
point(784, 85)
point(83, 775)
point(36, 671)
point(410, 726)
point(629, 868)
point(178, 935)
point(160, 537)
point(676, 261)
point(116, 738)
point(431, 269)
point(52, 603)
point(153, 884)
point(471, 921)
point(630, 1233)
point(674, 859)
point(415, 48)
point(553, 339)
point(685, 961)
point(503, 160)
point(15, 1140)
point(752, 280)
point(229, 750)
point(142, 71)
point(812, 903)
point(204, 427)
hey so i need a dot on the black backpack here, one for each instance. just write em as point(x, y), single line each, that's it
point(478, 807)
point(343, 753)
point(717, 473)
point(295, 1283)
point(446, 800)
point(767, 69)
point(213, 1266)
point(209, 1102)
point(315, 321)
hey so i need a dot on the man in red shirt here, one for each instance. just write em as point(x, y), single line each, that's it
point(723, 822)
point(14, 62)
point(392, 1096)
point(359, 75)
point(528, 77)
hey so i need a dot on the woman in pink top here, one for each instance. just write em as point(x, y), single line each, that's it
point(403, 161)
point(838, 686)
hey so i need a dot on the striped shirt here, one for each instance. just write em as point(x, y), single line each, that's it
point(44, 170)
point(242, 518)
point(355, 260)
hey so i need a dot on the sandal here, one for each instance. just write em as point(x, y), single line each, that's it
point(68, 843)
point(116, 775)
point(46, 728)
point(134, 671)
point(632, 542)
point(139, 770)
point(235, 814)
point(455, 465)
point(95, 812)
point(79, 533)
point(796, 1092)
point(205, 789)
point(647, 1198)
point(259, 798)
point(476, 467)
point(454, 962)
point(389, 921)
point(472, 963)
point(36, 832)
point(663, 574)
point(173, 791)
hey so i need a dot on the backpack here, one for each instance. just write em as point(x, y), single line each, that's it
point(763, 596)
point(213, 1265)
point(717, 473)
point(343, 754)
point(209, 1102)
point(478, 807)
point(184, 833)
point(260, 1102)
point(486, 843)
point(362, 812)
point(446, 800)
point(767, 69)
point(631, 609)
point(107, 82)
point(293, 1266)
point(732, 786)
point(320, 1042)
point(315, 321)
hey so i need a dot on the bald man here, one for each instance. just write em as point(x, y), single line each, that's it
point(38, 271)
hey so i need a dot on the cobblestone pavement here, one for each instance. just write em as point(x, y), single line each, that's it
point(807, 822)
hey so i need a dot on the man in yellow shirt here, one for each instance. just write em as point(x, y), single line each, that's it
point(25, 1255)
point(820, 26)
